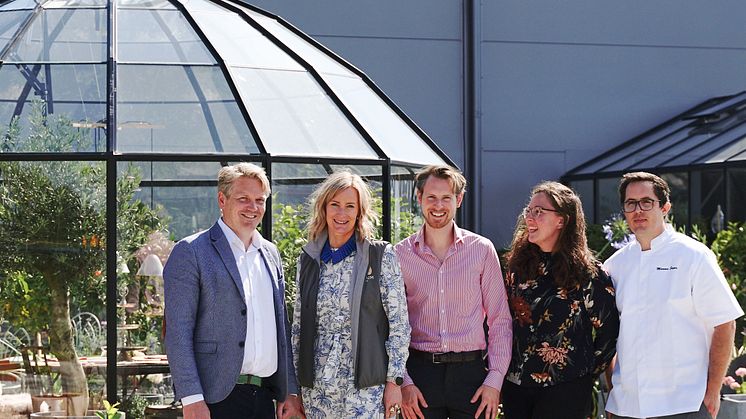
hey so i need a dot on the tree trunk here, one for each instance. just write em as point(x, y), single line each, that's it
point(61, 344)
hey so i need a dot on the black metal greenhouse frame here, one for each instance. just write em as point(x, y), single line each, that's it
point(111, 158)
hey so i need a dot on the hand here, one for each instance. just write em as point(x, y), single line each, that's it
point(712, 401)
point(197, 410)
point(291, 408)
point(490, 399)
point(391, 399)
point(411, 400)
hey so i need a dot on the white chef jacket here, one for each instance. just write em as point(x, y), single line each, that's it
point(670, 298)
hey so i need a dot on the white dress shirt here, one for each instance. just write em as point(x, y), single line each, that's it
point(670, 299)
point(260, 348)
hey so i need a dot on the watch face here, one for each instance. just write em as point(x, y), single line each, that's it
point(399, 381)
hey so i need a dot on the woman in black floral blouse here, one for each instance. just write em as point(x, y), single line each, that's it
point(565, 321)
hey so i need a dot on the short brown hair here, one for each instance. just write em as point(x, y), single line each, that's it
point(338, 181)
point(229, 174)
point(660, 186)
point(451, 174)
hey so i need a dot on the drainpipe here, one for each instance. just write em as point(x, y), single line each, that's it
point(472, 214)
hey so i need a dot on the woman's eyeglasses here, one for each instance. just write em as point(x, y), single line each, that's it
point(535, 212)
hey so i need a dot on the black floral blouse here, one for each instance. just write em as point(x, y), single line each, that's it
point(560, 334)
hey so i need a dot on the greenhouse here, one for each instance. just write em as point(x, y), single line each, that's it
point(702, 155)
point(117, 116)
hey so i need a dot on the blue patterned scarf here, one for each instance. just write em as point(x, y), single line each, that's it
point(336, 256)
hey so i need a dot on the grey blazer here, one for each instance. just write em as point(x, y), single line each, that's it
point(206, 317)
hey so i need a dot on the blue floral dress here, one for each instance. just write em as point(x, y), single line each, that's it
point(334, 394)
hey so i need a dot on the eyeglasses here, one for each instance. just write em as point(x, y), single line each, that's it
point(535, 212)
point(645, 204)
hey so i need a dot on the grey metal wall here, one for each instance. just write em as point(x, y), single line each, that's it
point(558, 82)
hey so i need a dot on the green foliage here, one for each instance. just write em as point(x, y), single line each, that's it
point(110, 411)
point(135, 407)
point(729, 246)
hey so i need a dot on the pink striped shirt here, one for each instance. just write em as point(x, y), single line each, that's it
point(448, 301)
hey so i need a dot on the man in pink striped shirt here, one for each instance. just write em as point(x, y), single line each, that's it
point(453, 282)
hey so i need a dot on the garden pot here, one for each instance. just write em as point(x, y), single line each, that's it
point(733, 406)
point(66, 402)
point(91, 414)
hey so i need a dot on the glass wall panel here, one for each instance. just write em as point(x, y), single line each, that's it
point(736, 210)
point(584, 189)
point(9, 23)
point(232, 37)
point(679, 185)
point(158, 36)
point(76, 98)
point(707, 188)
point(295, 117)
point(52, 270)
point(186, 109)
point(608, 199)
point(398, 141)
point(63, 35)
point(406, 218)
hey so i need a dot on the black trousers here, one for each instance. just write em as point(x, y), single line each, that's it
point(448, 388)
point(245, 402)
point(569, 400)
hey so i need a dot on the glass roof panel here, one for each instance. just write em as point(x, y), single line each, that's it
point(674, 150)
point(710, 146)
point(732, 152)
point(397, 140)
point(723, 104)
point(63, 35)
point(57, 4)
point(19, 5)
point(295, 117)
point(159, 36)
point(78, 93)
point(179, 109)
point(320, 61)
point(237, 42)
point(633, 148)
point(639, 157)
point(9, 23)
point(145, 4)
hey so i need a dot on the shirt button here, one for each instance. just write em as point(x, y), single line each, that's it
point(443, 331)
point(243, 312)
point(441, 291)
point(241, 344)
point(442, 311)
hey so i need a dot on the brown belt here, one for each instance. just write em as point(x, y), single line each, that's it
point(446, 357)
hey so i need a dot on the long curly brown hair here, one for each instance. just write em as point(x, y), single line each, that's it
point(572, 262)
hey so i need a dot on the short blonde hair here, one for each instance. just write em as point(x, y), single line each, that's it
point(229, 174)
point(334, 183)
point(451, 174)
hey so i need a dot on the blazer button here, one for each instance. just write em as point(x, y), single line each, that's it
point(241, 344)
point(243, 312)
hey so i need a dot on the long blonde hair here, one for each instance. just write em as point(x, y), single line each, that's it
point(334, 183)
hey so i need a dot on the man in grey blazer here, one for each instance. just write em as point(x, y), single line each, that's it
point(227, 334)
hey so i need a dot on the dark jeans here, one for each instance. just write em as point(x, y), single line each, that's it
point(701, 414)
point(448, 388)
point(245, 402)
point(569, 400)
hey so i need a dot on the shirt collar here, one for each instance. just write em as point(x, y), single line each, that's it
point(234, 240)
point(662, 238)
point(458, 234)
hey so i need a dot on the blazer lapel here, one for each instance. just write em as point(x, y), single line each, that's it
point(226, 254)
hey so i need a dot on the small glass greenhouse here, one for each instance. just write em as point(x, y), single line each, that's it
point(702, 155)
point(116, 117)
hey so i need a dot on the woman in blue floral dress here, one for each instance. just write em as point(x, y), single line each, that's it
point(565, 320)
point(350, 324)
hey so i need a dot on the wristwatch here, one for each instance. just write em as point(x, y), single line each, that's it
point(396, 380)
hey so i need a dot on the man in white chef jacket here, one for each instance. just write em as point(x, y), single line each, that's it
point(677, 313)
